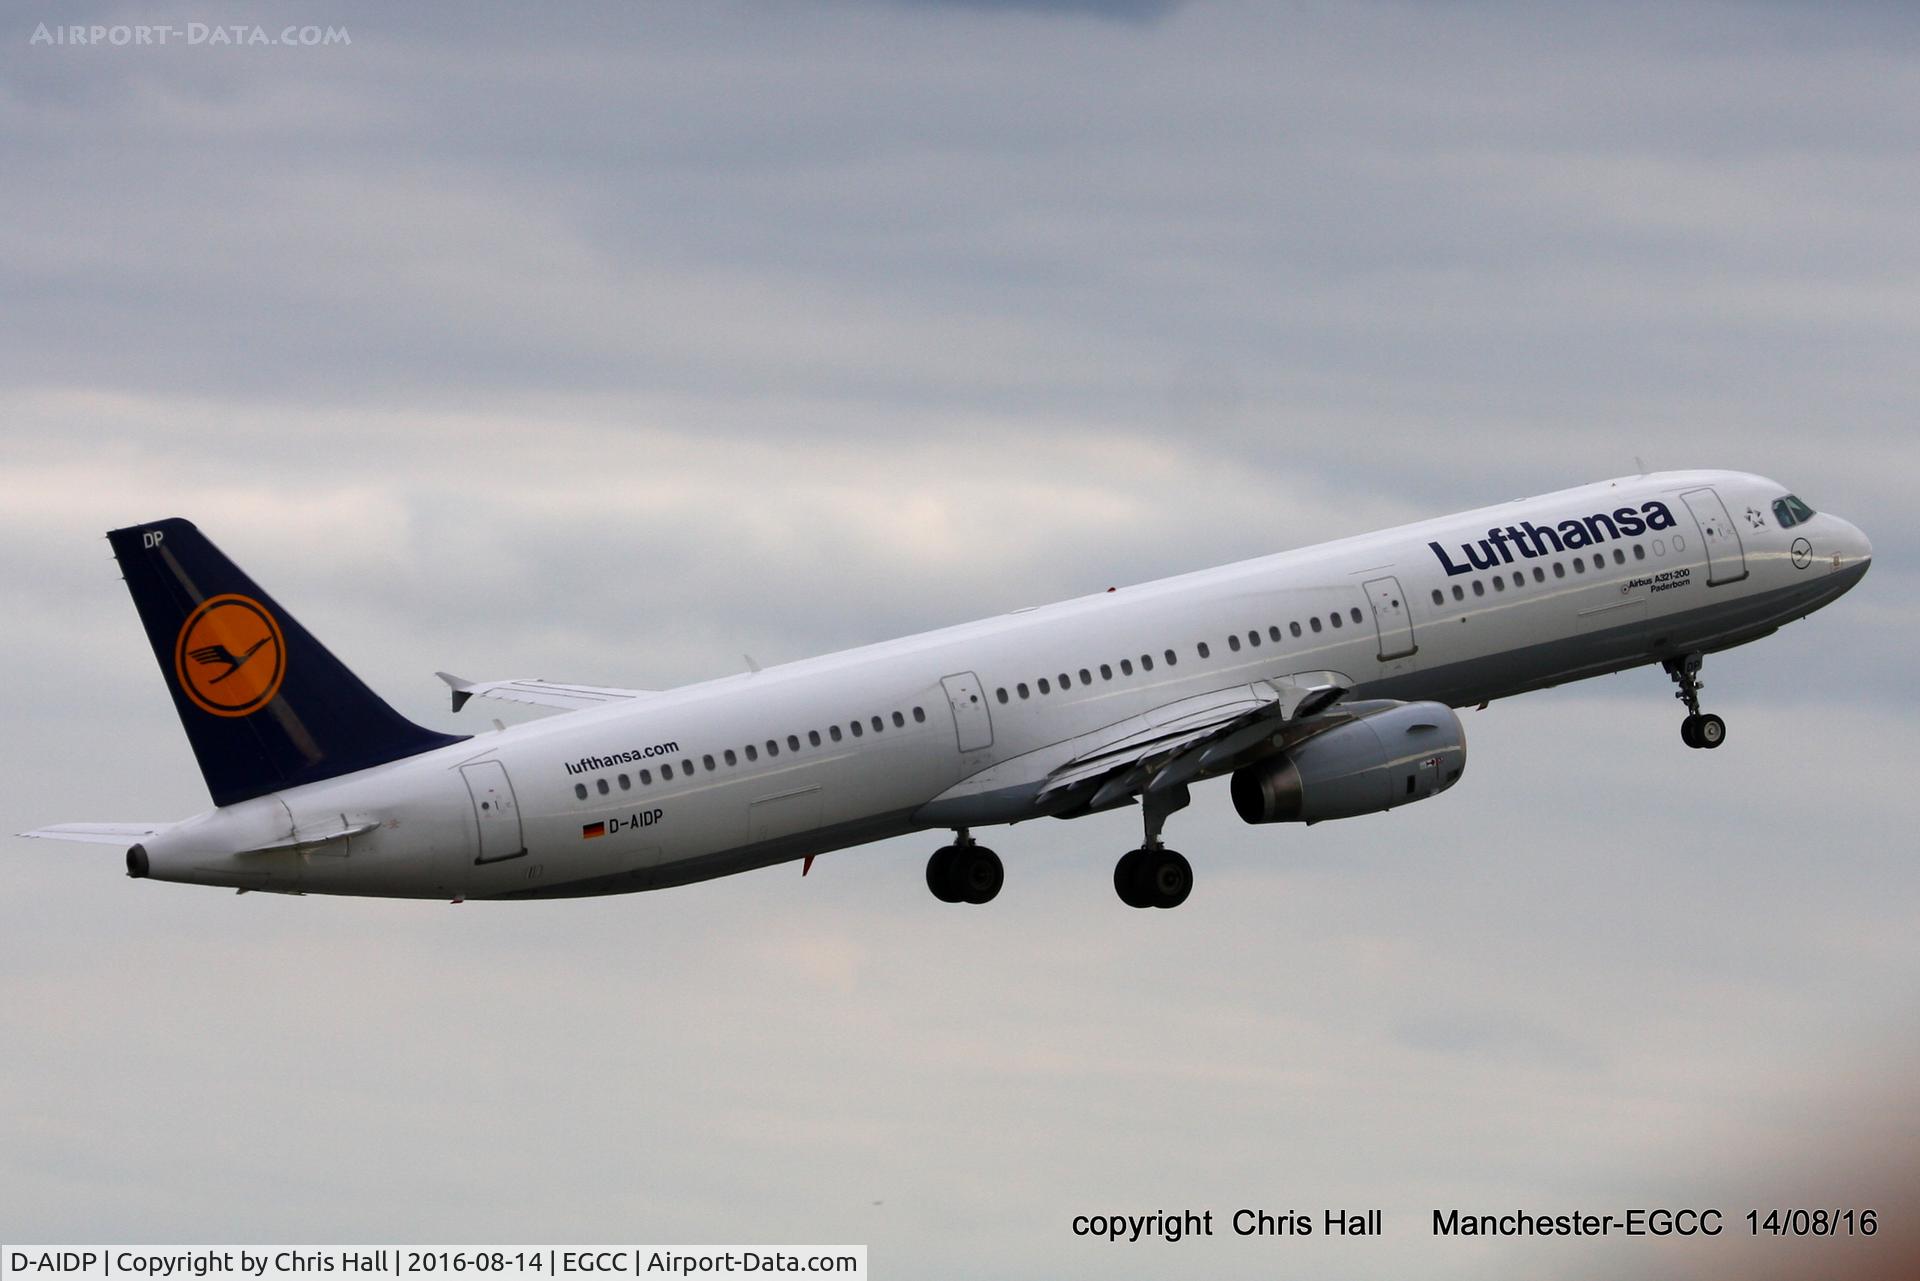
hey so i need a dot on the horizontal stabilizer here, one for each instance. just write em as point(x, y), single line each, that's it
point(121, 834)
point(539, 693)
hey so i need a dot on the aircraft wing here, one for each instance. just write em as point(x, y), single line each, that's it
point(540, 693)
point(1182, 741)
point(121, 834)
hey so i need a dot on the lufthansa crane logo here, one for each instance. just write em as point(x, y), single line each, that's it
point(230, 657)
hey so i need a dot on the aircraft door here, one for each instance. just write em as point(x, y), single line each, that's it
point(1391, 617)
point(971, 721)
point(496, 810)
point(1726, 560)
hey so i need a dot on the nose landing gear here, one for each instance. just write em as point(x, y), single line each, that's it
point(1698, 729)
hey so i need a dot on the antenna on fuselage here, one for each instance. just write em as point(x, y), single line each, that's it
point(1640, 464)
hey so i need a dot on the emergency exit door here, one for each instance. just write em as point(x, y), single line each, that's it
point(1391, 617)
point(971, 722)
point(495, 809)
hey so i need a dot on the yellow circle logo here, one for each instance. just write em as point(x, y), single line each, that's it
point(230, 657)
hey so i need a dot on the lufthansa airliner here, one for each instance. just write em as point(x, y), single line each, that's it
point(1321, 682)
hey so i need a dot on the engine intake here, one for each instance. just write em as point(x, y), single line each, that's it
point(1391, 757)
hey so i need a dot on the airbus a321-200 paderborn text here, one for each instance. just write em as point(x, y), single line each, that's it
point(1321, 681)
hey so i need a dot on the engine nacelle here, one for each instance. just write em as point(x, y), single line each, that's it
point(1391, 757)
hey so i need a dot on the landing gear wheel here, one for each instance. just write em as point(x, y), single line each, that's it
point(1128, 882)
point(1690, 731)
point(1709, 731)
point(1152, 878)
point(977, 873)
point(943, 875)
point(1168, 877)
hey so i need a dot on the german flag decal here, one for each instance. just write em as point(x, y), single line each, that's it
point(591, 830)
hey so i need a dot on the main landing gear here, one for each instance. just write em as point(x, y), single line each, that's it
point(1698, 729)
point(1153, 875)
point(964, 872)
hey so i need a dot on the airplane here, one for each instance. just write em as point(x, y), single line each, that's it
point(1322, 682)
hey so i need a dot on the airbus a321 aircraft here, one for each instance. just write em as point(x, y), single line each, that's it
point(1321, 681)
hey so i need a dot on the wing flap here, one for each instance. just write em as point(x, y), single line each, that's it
point(1176, 743)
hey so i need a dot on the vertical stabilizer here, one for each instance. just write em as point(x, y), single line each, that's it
point(264, 704)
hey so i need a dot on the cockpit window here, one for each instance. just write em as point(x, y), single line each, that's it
point(1790, 511)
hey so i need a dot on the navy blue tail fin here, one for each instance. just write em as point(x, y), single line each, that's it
point(264, 704)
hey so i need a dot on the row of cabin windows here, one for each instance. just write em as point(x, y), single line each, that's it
point(1170, 657)
point(1579, 563)
point(751, 752)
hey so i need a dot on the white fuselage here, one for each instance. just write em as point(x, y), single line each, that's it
point(955, 731)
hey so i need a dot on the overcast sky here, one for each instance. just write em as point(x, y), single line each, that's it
point(611, 343)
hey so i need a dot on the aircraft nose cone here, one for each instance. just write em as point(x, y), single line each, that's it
point(1858, 547)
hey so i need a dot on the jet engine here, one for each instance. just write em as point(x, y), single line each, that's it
point(1391, 757)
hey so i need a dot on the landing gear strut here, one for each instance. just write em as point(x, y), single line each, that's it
point(1698, 729)
point(1153, 875)
point(964, 872)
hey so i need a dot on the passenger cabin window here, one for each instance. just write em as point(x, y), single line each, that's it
point(1354, 613)
point(1273, 634)
point(646, 779)
point(1001, 693)
point(1233, 643)
point(1172, 658)
point(1106, 673)
point(729, 757)
point(773, 747)
point(1314, 622)
point(1479, 588)
point(1042, 686)
point(1459, 592)
point(813, 737)
point(793, 742)
point(1253, 638)
point(580, 790)
point(1126, 667)
point(1086, 677)
point(900, 722)
point(833, 732)
point(1066, 681)
point(666, 772)
point(1334, 619)
point(855, 727)
point(878, 725)
point(600, 785)
point(626, 784)
point(1294, 628)
point(1559, 570)
point(1021, 689)
point(1146, 662)
point(919, 716)
point(752, 754)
